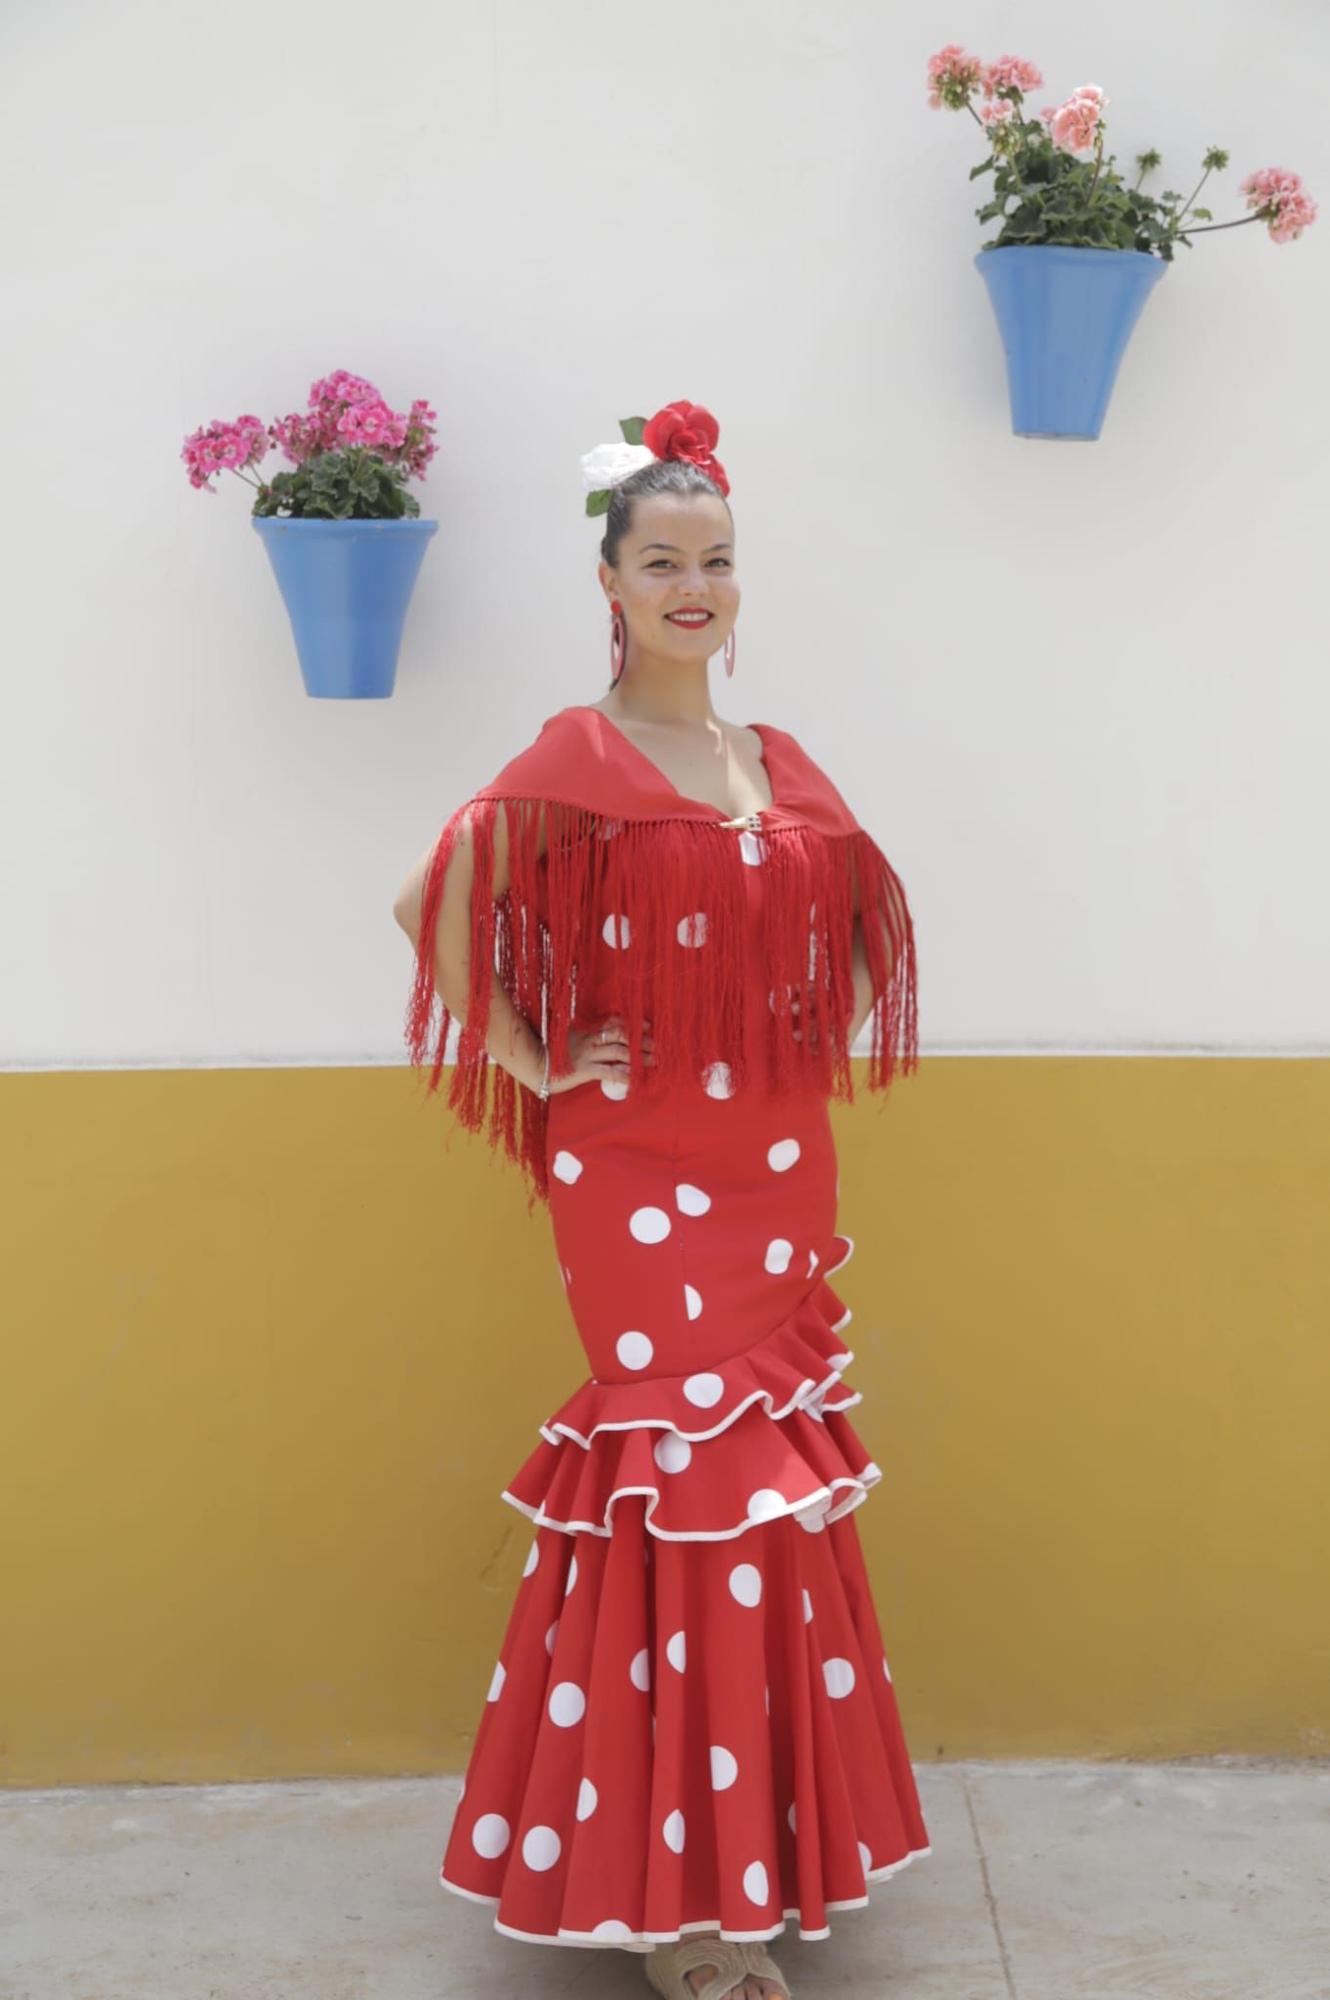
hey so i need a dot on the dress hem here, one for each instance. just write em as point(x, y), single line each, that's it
point(646, 1941)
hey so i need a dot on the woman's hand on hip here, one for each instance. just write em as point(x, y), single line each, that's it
point(599, 1052)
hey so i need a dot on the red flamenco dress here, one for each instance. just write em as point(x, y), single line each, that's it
point(691, 1725)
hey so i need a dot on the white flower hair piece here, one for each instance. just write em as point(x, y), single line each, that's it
point(609, 464)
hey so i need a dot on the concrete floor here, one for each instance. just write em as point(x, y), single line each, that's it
point(1205, 1880)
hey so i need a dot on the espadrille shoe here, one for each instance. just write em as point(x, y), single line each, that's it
point(668, 1963)
point(762, 1965)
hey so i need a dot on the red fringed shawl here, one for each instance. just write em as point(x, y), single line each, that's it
point(593, 927)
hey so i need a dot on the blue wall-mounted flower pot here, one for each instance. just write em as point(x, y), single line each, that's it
point(1065, 314)
point(346, 585)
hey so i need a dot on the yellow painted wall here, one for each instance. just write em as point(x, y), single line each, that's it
point(275, 1339)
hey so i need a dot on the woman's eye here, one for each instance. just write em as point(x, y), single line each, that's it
point(663, 562)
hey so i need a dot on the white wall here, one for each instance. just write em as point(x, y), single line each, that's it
point(1079, 692)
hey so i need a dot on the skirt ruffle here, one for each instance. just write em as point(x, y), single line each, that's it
point(683, 1737)
point(716, 1452)
point(692, 1725)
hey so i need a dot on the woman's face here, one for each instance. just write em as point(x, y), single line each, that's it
point(678, 554)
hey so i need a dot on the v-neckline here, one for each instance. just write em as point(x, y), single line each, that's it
point(706, 804)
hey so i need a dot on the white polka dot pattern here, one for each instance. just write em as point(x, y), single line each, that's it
point(691, 1200)
point(672, 1453)
point(839, 1677)
point(490, 1835)
point(746, 1584)
point(649, 1225)
point(717, 1080)
point(567, 1704)
point(541, 1847)
point(634, 1349)
point(755, 1883)
point(724, 1768)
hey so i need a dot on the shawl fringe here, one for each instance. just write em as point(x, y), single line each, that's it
point(670, 952)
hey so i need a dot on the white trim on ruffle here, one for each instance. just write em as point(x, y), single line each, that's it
point(861, 1483)
point(845, 1259)
point(820, 1407)
point(645, 1941)
point(808, 1392)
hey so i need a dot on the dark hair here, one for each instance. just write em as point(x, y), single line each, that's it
point(663, 475)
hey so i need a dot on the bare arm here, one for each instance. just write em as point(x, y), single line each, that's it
point(863, 986)
point(864, 993)
point(510, 1040)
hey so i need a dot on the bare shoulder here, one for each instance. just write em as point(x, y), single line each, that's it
point(745, 738)
point(738, 732)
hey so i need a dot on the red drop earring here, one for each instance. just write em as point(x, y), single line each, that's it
point(618, 639)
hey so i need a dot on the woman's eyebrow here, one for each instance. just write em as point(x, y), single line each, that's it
point(675, 550)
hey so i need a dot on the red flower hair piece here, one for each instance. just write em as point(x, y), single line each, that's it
point(686, 430)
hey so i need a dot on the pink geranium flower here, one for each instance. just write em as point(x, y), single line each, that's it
point(1009, 73)
point(343, 410)
point(222, 447)
point(1075, 125)
point(1280, 196)
point(1093, 202)
point(952, 75)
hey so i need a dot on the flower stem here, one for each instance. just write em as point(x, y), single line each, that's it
point(1202, 228)
point(1191, 198)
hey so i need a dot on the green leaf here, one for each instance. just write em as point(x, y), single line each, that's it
point(632, 428)
point(599, 503)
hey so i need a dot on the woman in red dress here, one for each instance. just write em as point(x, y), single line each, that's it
point(659, 934)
